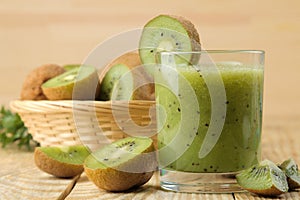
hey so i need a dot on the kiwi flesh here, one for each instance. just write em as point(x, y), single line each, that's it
point(71, 66)
point(168, 33)
point(124, 164)
point(117, 84)
point(64, 161)
point(126, 79)
point(290, 168)
point(81, 83)
point(264, 179)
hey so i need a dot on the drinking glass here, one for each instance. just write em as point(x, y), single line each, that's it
point(209, 116)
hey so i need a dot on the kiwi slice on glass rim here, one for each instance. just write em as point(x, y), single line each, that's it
point(122, 165)
point(264, 179)
point(168, 33)
point(79, 83)
point(290, 168)
point(64, 161)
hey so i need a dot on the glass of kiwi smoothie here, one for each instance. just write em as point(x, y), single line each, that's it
point(209, 115)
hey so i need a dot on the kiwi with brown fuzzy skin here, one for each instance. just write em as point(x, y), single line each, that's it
point(64, 162)
point(122, 165)
point(168, 33)
point(31, 89)
point(128, 69)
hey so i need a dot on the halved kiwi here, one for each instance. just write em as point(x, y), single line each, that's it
point(122, 165)
point(79, 83)
point(117, 84)
point(31, 88)
point(263, 179)
point(168, 33)
point(290, 168)
point(65, 162)
point(124, 78)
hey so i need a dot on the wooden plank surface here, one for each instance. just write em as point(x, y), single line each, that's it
point(20, 179)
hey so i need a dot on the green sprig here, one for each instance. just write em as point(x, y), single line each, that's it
point(12, 129)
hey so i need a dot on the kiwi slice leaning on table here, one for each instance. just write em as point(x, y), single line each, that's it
point(64, 162)
point(264, 179)
point(83, 79)
point(168, 33)
point(122, 165)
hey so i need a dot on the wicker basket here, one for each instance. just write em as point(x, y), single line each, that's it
point(92, 123)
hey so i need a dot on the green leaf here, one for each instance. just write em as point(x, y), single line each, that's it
point(12, 129)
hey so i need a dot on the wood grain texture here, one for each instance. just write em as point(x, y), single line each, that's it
point(30, 183)
point(20, 179)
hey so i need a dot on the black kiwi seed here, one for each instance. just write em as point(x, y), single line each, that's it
point(178, 109)
point(162, 34)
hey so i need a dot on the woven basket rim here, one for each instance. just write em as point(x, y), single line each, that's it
point(60, 106)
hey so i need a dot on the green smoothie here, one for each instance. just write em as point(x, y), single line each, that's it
point(184, 121)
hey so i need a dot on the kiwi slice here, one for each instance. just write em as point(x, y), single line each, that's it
point(290, 168)
point(122, 165)
point(168, 33)
point(263, 179)
point(124, 78)
point(81, 83)
point(64, 162)
point(117, 84)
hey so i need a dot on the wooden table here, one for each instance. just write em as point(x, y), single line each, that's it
point(20, 179)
